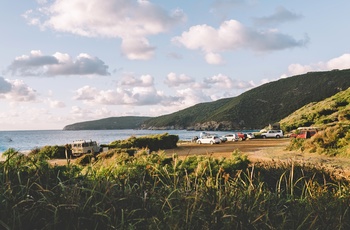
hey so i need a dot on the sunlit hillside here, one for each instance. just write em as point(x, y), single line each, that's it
point(332, 117)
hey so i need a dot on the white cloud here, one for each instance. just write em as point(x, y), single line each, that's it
point(21, 92)
point(213, 58)
point(136, 96)
point(212, 88)
point(37, 64)
point(224, 82)
point(86, 93)
point(77, 113)
point(16, 90)
point(341, 62)
point(132, 21)
point(55, 103)
point(5, 86)
point(174, 80)
point(143, 81)
point(137, 49)
point(232, 35)
point(191, 97)
point(281, 15)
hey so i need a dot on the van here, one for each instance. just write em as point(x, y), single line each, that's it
point(81, 147)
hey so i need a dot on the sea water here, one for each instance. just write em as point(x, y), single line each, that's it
point(31, 139)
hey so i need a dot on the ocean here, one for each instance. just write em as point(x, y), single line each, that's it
point(24, 141)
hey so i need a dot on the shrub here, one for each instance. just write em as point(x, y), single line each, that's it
point(331, 141)
point(296, 144)
point(85, 159)
point(152, 142)
point(148, 191)
point(50, 152)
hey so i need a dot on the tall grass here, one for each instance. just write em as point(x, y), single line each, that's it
point(155, 191)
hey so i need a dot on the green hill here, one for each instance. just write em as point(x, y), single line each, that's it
point(257, 107)
point(332, 111)
point(253, 109)
point(128, 122)
point(332, 117)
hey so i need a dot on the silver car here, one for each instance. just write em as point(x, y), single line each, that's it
point(209, 140)
point(231, 137)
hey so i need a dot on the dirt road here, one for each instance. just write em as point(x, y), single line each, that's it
point(265, 150)
point(225, 149)
point(259, 150)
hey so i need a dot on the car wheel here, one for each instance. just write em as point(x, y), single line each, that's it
point(211, 142)
point(278, 136)
point(264, 137)
point(199, 142)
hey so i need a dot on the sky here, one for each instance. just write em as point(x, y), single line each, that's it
point(69, 61)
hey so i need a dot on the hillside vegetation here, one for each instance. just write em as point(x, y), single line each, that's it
point(253, 109)
point(332, 116)
point(128, 122)
point(152, 191)
point(328, 112)
point(257, 107)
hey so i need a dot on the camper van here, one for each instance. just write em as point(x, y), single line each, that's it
point(81, 147)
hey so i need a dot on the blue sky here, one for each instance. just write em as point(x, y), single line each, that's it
point(67, 61)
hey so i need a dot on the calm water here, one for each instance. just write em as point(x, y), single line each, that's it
point(28, 140)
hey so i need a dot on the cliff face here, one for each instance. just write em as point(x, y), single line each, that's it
point(207, 126)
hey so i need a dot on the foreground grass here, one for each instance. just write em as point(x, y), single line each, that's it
point(151, 191)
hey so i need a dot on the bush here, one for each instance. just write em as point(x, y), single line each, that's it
point(332, 141)
point(50, 152)
point(85, 159)
point(151, 191)
point(152, 142)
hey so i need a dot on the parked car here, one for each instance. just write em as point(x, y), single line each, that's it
point(306, 134)
point(242, 136)
point(223, 139)
point(250, 135)
point(210, 139)
point(80, 147)
point(231, 137)
point(272, 133)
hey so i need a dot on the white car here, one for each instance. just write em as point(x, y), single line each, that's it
point(272, 133)
point(209, 140)
point(231, 137)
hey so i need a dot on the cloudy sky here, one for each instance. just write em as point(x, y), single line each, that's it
point(67, 61)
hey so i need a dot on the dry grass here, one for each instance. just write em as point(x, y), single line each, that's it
point(258, 150)
point(266, 150)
